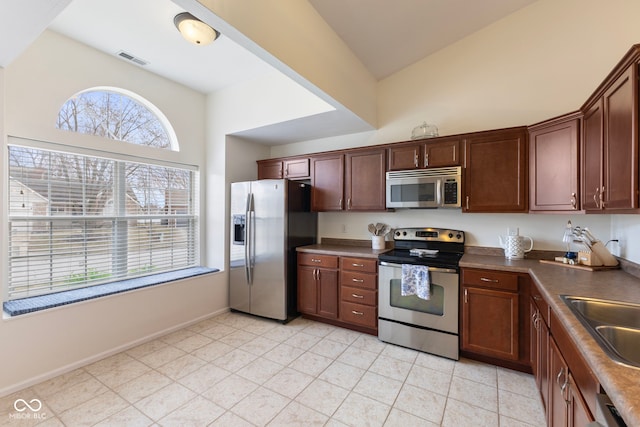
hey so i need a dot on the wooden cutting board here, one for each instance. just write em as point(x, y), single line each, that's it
point(580, 266)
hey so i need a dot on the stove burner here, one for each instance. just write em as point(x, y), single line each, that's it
point(434, 247)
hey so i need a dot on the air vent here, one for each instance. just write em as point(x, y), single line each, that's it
point(129, 57)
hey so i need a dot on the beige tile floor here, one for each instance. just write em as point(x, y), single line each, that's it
point(238, 370)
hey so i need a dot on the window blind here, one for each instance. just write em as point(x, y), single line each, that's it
point(78, 220)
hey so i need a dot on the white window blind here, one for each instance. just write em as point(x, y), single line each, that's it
point(78, 220)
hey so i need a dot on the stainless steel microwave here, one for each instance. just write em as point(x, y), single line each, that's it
point(424, 188)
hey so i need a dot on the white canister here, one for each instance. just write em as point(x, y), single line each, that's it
point(377, 242)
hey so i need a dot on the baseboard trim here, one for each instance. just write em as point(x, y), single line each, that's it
point(88, 360)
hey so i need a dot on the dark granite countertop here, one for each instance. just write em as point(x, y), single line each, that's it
point(621, 382)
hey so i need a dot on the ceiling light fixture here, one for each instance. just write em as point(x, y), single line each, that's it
point(194, 30)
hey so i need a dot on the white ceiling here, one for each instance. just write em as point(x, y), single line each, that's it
point(386, 35)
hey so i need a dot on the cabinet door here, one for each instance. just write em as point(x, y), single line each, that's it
point(490, 323)
point(307, 290)
point(621, 143)
point(327, 180)
point(558, 411)
point(327, 293)
point(539, 335)
point(553, 167)
point(495, 172)
point(579, 414)
point(592, 157)
point(442, 153)
point(365, 181)
point(296, 168)
point(270, 169)
point(405, 156)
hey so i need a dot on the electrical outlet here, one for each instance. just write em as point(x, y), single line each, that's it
point(512, 231)
point(343, 228)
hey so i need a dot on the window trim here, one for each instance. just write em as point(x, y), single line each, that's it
point(166, 124)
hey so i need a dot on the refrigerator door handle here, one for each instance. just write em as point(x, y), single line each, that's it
point(248, 241)
point(251, 238)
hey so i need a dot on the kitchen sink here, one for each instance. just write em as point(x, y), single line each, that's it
point(614, 325)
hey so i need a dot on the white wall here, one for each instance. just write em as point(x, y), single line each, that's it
point(540, 62)
point(33, 88)
point(291, 32)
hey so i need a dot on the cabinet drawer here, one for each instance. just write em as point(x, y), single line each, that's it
point(490, 279)
point(368, 265)
point(359, 314)
point(360, 280)
point(326, 261)
point(358, 296)
point(540, 302)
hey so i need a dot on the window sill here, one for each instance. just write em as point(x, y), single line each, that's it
point(43, 302)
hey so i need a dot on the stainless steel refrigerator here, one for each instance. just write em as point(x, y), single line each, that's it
point(269, 219)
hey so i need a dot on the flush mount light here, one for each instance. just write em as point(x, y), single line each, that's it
point(194, 30)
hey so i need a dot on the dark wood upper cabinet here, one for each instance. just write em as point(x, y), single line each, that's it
point(554, 164)
point(592, 156)
point(365, 180)
point(426, 154)
point(269, 169)
point(610, 142)
point(327, 179)
point(295, 168)
point(353, 180)
point(495, 174)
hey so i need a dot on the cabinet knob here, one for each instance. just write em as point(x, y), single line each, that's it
point(467, 202)
point(574, 202)
point(357, 280)
point(484, 279)
point(316, 260)
point(357, 313)
point(595, 197)
point(426, 160)
point(415, 160)
point(357, 296)
point(357, 265)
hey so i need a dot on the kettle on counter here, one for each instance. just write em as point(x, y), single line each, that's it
point(514, 246)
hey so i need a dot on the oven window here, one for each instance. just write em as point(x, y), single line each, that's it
point(435, 305)
point(425, 192)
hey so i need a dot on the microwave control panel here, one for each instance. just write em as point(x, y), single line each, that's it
point(451, 192)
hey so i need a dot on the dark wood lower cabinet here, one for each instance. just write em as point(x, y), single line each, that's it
point(342, 291)
point(490, 322)
point(318, 291)
point(567, 386)
point(494, 318)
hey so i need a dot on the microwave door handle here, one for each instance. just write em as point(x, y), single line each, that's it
point(439, 192)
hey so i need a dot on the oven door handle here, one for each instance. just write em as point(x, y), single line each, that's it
point(432, 269)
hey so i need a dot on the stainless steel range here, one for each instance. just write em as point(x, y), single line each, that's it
point(429, 325)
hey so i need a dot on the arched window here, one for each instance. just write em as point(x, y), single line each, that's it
point(117, 114)
point(80, 217)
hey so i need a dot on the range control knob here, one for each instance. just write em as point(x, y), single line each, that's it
point(451, 235)
point(458, 236)
point(397, 233)
point(404, 233)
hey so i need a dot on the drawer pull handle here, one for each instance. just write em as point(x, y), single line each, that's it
point(357, 313)
point(315, 260)
point(357, 296)
point(484, 279)
point(358, 280)
point(357, 265)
